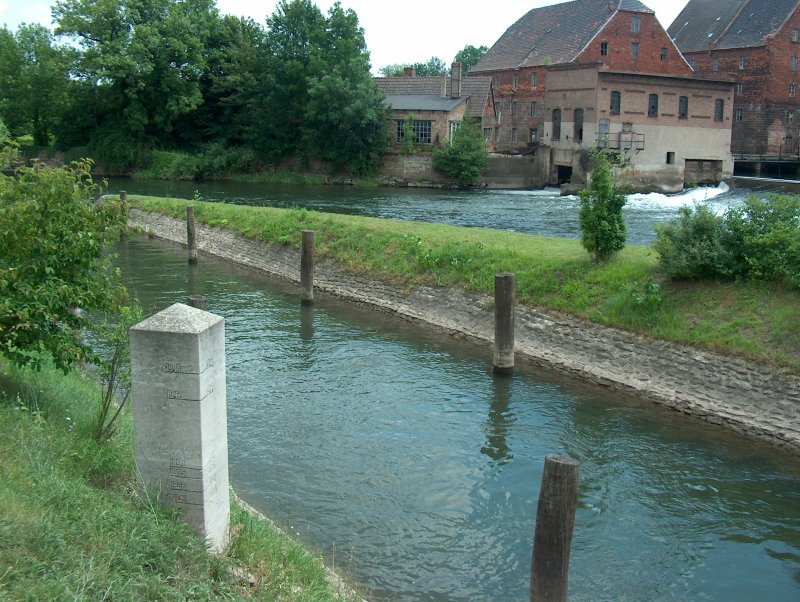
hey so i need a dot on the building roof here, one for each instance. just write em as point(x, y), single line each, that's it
point(553, 34)
point(726, 24)
point(427, 93)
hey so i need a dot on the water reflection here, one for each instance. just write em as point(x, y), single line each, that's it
point(500, 419)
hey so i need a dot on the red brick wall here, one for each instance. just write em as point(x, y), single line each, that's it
point(651, 38)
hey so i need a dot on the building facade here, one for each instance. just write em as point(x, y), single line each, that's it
point(755, 44)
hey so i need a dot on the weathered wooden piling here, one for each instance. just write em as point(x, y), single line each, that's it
point(198, 301)
point(307, 268)
point(504, 301)
point(555, 521)
point(123, 210)
point(191, 235)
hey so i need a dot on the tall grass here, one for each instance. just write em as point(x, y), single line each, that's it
point(756, 321)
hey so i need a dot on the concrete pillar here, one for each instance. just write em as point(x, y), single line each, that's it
point(504, 300)
point(307, 268)
point(180, 416)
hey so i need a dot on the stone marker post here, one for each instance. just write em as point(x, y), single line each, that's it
point(504, 299)
point(307, 268)
point(180, 417)
point(555, 521)
point(191, 235)
point(198, 301)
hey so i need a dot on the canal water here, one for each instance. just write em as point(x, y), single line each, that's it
point(541, 212)
point(399, 456)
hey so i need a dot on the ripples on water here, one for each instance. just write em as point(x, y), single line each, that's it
point(403, 459)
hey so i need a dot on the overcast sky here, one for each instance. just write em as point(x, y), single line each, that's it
point(419, 30)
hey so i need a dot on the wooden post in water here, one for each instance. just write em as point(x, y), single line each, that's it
point(191, 235)
point(555, 521)
point(198, 301)
point(504, 293)
point(307, 268)
point(123, 210)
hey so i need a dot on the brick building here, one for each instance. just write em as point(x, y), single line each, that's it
point(438, 104)
point(756, 44)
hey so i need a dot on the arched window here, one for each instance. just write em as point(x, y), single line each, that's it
point(556, 124)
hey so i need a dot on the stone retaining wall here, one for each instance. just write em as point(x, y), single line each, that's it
point(749, 398)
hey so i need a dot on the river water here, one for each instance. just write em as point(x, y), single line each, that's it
point(398, 455)
point(541, 212)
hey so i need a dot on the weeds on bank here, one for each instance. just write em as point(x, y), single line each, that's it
point(754, 320)
point(73, 527)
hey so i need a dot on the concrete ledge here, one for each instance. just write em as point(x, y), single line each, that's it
point(752, 399)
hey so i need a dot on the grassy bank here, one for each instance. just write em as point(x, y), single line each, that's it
point(755, 320)
point(72, 526)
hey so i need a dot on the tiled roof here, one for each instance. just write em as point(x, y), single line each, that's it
point(552, 34)
point(475, 90)
point(725, 24)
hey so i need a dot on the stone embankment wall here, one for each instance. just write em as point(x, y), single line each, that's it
point(751, 399)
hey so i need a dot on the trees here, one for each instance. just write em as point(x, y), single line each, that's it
point(465, 156)
point(432, 67)
point(602, 224)
point(469, 57)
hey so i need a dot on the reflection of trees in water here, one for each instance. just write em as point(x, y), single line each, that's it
point(500, 419)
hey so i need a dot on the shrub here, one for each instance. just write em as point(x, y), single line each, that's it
point(464, 157)
point(603, 230)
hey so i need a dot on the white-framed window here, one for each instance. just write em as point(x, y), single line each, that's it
point(515, 81)
point(513, 134)
point(738, 115)
point(534, 109)
point(534, 80)
point(742, 62)
point(740, 89)
point(635, 50)
point(793, 63)
point(792, 90)
point(513, 107)
point(635, 24)
point(422, 131)
point(487, 133)
point(603, 48)
point(719, 109)
point(715, 64)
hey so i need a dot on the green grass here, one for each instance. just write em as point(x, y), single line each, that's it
point(756, 320)
point(72, 526)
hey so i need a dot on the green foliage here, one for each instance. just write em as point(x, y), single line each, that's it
point(602, 225)
point(469, 57)
point(432, 67)
point(409, 135)
point(464, 157)
point(759, 240)
point(212, 162)
point(53, 259)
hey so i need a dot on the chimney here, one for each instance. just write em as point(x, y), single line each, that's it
point(455, 81)
point(409, 72)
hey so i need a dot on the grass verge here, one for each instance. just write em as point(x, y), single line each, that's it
point(754, 320)
point(73, 527)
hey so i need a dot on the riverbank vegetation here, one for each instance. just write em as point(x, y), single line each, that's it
point(73, 525)
point(757, 320)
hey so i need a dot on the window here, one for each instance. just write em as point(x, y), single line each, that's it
point(513, 107)
point(794, 63)
point(578, 125)
point(652, 106)
point(670, 158)
point(603, 127)
point(497, 112)
point(487, 133)
point(534, 134)
point(635, 24)
point(534, 109)
point(789, 118)
point(663, 54)
point(792, 89)
point(789, 141)
point(742, 62)
point(422, 131)
point(715, 64)
point(603, 48)
point(719, 109)
point(739, 89)
point(683, 107)
point(556, 124)
point(515, 81)
point(535, 80)
point(496, 134)
point(635, 50)
point(796, 35)
point(453, 126)
point(693, 64)
point(513, 134)
point(738, 115)
point(616, 101)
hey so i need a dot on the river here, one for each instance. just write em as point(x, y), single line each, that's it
point(397, 454)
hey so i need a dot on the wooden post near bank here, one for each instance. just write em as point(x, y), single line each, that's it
point(555, 521)
point(198, 301)
point(504, 301)
point(307, 268)
point(123, 210)
point(191, 235)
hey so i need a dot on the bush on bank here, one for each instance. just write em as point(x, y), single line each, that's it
point(630, 291)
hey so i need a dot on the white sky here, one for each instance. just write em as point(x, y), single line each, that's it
point(419, 30)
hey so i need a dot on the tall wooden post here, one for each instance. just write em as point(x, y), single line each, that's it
point(197, 301)
point(555, 521)
point(307, 268)
point(504, 300)
point(191, 235)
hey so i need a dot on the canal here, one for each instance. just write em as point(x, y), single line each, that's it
point(397, 454)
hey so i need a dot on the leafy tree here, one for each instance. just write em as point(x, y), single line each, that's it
point(465, 156)
point(432, 67)
point(53, 259)
point(469, 56)
point(409, 135)
point(602, 225)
